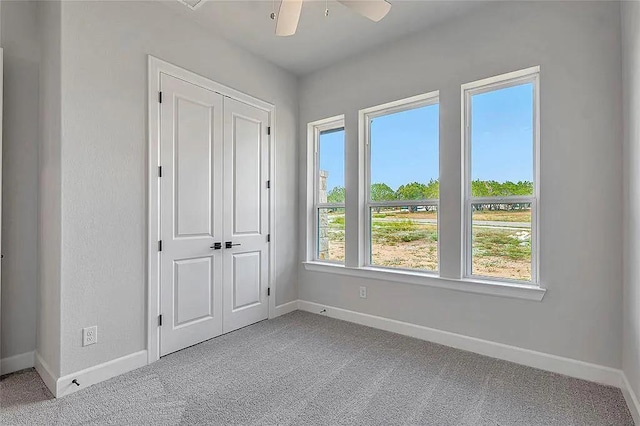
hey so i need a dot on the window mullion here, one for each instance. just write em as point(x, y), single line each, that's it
point(330, 206)
point(502, 200)
point(403, 203)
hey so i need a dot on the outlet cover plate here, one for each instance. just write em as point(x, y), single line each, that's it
point(90, 335)
point(363, 292)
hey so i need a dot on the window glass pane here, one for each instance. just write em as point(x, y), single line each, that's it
point(330, 234)
point(404, 155)
point(405, 237)
point(331, 164)
point(502, 137)
point(501, 246)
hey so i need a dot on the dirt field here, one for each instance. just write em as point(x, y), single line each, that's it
point(404, 243)
point(408, 255)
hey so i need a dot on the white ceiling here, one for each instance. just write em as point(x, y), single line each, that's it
point(320, 41)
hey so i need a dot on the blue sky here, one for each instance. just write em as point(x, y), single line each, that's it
point(404, 145)
point(502, 134)
point(331, 150)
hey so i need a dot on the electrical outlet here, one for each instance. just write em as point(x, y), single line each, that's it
point(363, 292)
point(90, 335)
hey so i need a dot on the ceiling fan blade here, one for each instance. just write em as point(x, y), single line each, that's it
point(372, 9)
point(288, 17)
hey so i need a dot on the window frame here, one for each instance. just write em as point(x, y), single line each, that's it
point(365, 117)
point(334, 123)
point(529, 75)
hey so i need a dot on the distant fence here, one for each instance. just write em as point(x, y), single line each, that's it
point(500, 206)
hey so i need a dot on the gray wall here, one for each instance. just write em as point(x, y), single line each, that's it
point(20, 178)
point(104, 157)
point(577, 45)
point(50, 209)
point(631, 70)
point(103, 171)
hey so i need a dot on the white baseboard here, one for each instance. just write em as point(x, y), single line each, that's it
point(99, 373)
point(285, 308)
point(632, 399)
point(45, 373)
point(17, 362)
point(556, 364)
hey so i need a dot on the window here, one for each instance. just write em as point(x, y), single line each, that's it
point(500, 145)
point(329, 191)
point(394, 208)
point(402, 188)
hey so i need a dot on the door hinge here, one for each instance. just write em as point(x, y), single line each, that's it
point(160, 97)
point(160, 245)
point(269, 130)
point(268, 291)
point(268, 238)
point(160, 171)
point(268, 184)
point(160, 320)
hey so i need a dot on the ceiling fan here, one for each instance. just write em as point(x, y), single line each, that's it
point(289, 14)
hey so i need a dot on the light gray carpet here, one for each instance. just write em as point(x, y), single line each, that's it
point(306, 369)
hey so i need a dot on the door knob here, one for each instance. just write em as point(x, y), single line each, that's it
point(216, 246)
point(228, 244)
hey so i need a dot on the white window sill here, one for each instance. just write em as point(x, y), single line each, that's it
point(494, 288)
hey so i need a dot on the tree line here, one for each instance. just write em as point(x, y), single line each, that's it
point(431, 190)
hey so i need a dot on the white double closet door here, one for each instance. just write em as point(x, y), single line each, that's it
point(214, 214)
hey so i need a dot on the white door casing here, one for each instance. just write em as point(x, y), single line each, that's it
point(246, 215)
point(191, 214)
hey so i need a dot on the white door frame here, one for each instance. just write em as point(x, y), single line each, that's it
point(156, 67)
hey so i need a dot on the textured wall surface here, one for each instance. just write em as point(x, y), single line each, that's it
point(92, 163)
point(631, 70)
point(19, 178)
point(104, 157)
point(577, 45)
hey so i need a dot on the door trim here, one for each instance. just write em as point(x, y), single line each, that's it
point(156, 67)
